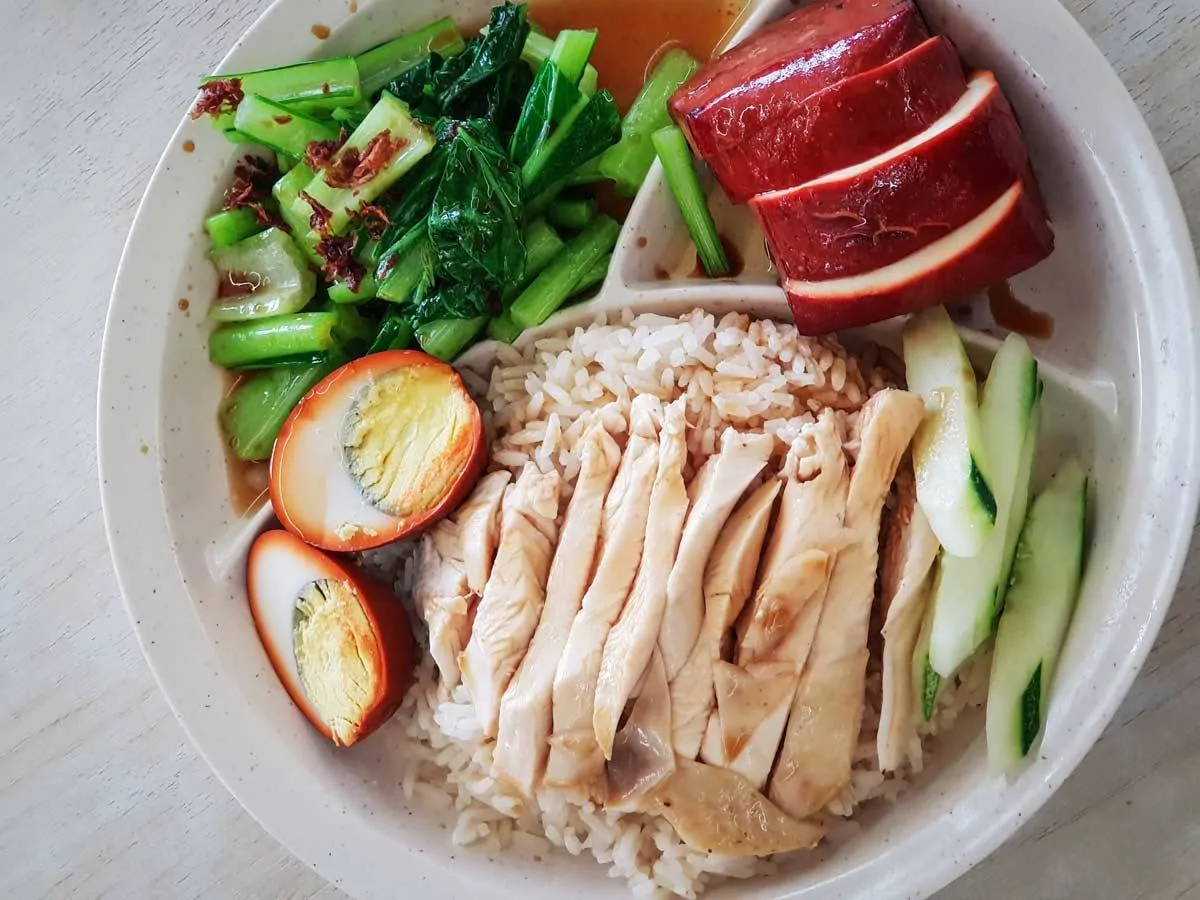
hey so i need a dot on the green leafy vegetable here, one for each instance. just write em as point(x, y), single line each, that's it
point(490, 54)
point(407, 270)
point(379, 65)
point(408, 202)
point(550, 99)
point(551, 289)
point(453, 300)
point(588, 130)
point(447, 338)
point(395, 333)
point(474, 224)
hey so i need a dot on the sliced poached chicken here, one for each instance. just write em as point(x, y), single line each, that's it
point(909, 549)
point(525, 711)
point(826, 715)
point(778, 625)
point(641, 755)
point(575, 759)
point(479, 528)
point(634, 635)
point(723, 480)
point(443, 598)
point(728, 583)
point(752, 709)
point(512, 601)
point(718, 811)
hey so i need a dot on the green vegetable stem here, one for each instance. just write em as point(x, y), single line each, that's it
point(387, 62)
point(679, 168)
point(244, 343)
point(554, 286)
point(630, 160)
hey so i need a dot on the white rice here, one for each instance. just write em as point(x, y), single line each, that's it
point(757, 376)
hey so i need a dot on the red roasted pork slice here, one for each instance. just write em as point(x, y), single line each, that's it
point(1008, 237)
point(847, 122)
point(767, 79)
point(886, 208)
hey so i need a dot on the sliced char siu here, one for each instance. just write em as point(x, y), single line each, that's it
point(1008, 237)
point(884, 209)
point(877, 109)
point(765, 82)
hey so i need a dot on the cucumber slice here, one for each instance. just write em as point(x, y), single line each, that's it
point(412, 140)
point(969, 593)
point(927, 683)
point(952, 486)
point(1041, 599)
point(271, 263)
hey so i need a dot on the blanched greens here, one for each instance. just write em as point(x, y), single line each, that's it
point(475, 221)
point(418, 175)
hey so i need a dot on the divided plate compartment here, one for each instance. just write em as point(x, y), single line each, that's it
point(1117, 370)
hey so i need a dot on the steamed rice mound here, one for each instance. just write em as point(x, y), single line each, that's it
point(757, 376)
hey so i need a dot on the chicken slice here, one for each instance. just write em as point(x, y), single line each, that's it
point(909, 549)
point(634, 635)
point(752, 708)
point(641, 755)
point(575, 758)
point(718, 811)
point(822, 732)
point(723, 479)
point(512, 600)
point(479, 527)
point(799, 561)
point(728, 581)
point(443, 599)
point(525, 713)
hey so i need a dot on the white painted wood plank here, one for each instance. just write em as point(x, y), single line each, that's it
point(101, 794)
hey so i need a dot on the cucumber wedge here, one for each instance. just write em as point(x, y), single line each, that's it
point(969, 593)
point(927, 683)
point(952, 487)
point(1041, 599)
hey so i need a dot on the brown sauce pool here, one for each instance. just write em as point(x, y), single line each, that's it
point(737, 264)
point(1013, 315)
point(634, 33)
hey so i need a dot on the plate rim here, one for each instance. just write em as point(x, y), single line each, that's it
point(116, 480)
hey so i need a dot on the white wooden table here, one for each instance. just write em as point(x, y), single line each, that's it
point(101, 794)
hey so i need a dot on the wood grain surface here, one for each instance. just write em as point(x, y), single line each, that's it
point(101, 793)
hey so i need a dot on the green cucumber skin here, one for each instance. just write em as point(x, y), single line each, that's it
point(950, 454)
point(969, 604)
point(927, 684)
point(983, 491)
point(1030, 711)
point(1043, 592)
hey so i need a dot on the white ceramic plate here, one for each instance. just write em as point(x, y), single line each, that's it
point(1122, 287)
